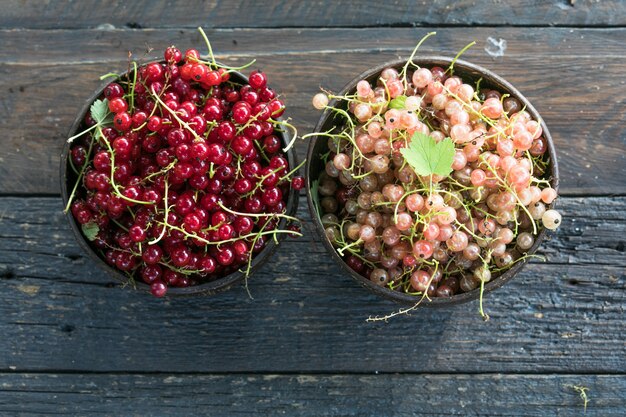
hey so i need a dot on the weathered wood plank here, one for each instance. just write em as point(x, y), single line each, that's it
point(290, 13)
point(57, 311)
point(110, 47)
point(45, 85)
point(310, 395)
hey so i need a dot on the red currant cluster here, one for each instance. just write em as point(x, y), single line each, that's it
point(183, 178)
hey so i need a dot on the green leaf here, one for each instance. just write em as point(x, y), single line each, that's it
point(316, 197)
point(398, 103)
point(100, 112)
point(427, 157)
point(90, 230)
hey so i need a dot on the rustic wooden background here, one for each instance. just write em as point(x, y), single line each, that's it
point(73, 343)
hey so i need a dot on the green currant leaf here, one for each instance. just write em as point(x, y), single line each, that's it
point(100, 111)
point(428, 157)
point(398, 103)
point(90, 230)
point(316, 197)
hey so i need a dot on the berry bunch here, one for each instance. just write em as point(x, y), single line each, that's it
point(432, 185)
point(181, 175)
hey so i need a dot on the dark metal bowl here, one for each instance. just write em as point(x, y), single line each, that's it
point(318, 146)
point(68, 179)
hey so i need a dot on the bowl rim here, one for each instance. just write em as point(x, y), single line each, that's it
point(208, 288)
point(460, 66)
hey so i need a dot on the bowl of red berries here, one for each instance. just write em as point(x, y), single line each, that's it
point(431, 178)
point(179, 177)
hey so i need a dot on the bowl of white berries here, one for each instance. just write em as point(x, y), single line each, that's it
point(431, 178)
point(178, 176)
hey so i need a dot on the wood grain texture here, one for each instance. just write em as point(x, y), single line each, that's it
point(303, 395)
point(58, 312)
point(318, 13)
point(562, 71)
point(73, 343)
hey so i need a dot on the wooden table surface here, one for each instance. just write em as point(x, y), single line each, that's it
point(73, 343)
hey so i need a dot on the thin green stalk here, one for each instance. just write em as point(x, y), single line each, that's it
point(257, 215)
point(167, 209)
point(208, 44)
point(131, 104)
point(173, 113)
point(461, 52)
point(480, 309)
point(71, 139)
point(410, 60)
point(116, 188)
point(293, 171)
point(288, 126)
point(355, 243)
point(405, 310)
point(80, 176)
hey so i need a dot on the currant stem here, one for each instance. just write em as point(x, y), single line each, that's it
point(261, 151)
point(131, 104)
point(461, 52)
point(519, 202)
point(263, 215)
point(208, 44)
point(173, 113)
point(80, 177)
point(234, 239)
point(410, 60)
point(163, 171)
point(289, 126)
point(167, 209)
point(242, 67)
point(480, 308)
point(71, 139)
point(72, 165)
point(109, 75)
point(404, 310)
point(355, 243)
point(293, 171)
point(112, 177)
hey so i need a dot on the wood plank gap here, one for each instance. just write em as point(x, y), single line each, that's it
point(397, 25)
point(299, 373)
